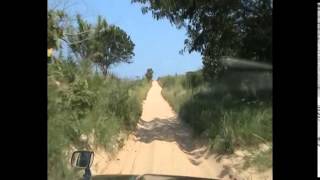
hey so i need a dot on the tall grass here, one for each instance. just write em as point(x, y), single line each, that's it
point(81, 102)
point(234, 111)
point(261, 160)
point(177, 95)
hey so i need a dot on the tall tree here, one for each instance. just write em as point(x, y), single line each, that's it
point(112, 45)
point(241, 28)
point(103, 44)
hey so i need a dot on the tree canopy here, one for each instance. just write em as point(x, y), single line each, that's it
point(149, 74)
point(56, 19)
point(103, 44)
point(241, 28)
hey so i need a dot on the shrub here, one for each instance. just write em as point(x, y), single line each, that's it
point(233, 111)
point(84, 103)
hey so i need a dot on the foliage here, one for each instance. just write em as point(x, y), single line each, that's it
point(103, 44)
point(80, 102)
point(56, 19)
point(219, 28)
point(193, 79)
point(235, 111)
point(261, 160)
point(149, 74)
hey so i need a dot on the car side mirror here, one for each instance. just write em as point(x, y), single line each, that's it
point(82, 159)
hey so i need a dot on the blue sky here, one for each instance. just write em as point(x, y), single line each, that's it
point(157, 43)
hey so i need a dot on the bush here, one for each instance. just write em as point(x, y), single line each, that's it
point(233, 111)
point(83, 103)
point(149, 74)
point(193, 79)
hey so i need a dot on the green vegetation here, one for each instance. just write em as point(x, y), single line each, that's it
point(230, 108)
point(102, 43)
point(55, 27)
point(261, 160)
point(83, 103)
point(149, 74)
point(219, 28)
point(79, 102)
point(234, 111)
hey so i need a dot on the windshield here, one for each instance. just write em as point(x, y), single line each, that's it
point(177, 88)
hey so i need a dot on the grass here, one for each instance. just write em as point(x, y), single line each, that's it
point(82, 102)
point(232, 112)
point(261, 161)
point(176, 96)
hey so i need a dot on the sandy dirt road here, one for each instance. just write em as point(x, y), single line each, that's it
point(162, 144)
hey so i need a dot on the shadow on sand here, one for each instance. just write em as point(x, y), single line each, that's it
point(171, 130)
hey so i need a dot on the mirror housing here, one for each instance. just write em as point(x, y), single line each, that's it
point(82, 159)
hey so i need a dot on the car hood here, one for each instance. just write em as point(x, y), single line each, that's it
point(146, 177)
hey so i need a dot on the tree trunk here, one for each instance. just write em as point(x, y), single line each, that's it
point(104, 69)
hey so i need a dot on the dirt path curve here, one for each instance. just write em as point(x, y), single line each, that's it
point(162, 145)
